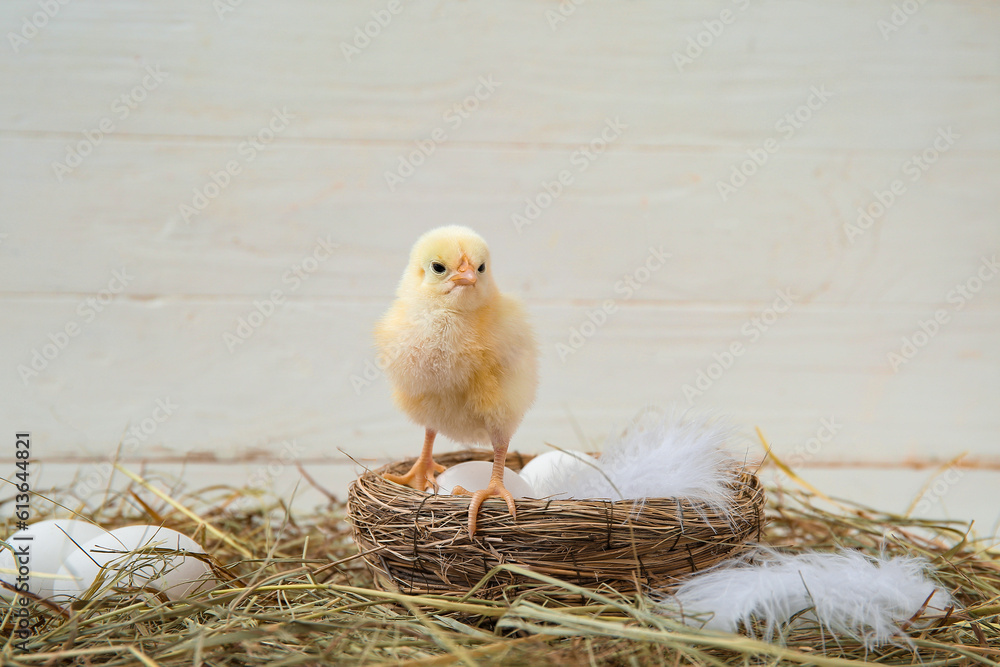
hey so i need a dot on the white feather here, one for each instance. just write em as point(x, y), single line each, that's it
point(845, 592)
point(673, 457)
point(658, 456)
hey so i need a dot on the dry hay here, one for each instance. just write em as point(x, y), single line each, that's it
point(419, 543)
point(295, 593)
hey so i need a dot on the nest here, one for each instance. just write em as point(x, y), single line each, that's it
point(418, 543)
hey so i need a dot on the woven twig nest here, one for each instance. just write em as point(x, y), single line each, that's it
point(419, 543)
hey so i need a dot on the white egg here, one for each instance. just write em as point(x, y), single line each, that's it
point(475, 475)
point(128, 556)
point(556, 473)
point(48, 543)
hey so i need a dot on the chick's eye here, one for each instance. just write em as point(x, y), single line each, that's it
point(482, 268)
point(437, 267)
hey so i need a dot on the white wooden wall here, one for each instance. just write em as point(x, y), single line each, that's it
point(884, 88)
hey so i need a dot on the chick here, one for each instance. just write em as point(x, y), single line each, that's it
point(461, 356)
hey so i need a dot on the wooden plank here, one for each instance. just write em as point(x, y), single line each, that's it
point(556, 85)
point(157, 349)
point(301, 375)
point(785, 228)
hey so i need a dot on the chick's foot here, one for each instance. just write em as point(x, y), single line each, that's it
point(420, 476)
point(496, 489)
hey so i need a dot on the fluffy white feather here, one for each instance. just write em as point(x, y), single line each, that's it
point(673, 456)
point(658, 456)
point(845, 592)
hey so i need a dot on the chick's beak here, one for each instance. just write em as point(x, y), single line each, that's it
point(466, 274)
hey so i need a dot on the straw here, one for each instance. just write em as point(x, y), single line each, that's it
point(301, 595)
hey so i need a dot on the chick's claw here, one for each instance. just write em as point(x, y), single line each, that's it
point(419, 477)
point(494, 490)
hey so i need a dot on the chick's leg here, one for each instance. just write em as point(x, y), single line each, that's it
point(495, 489)
point(421, 475)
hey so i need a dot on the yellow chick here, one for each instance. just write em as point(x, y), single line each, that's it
point(461, 356)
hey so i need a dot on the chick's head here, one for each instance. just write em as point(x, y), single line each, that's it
point(449, 267)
